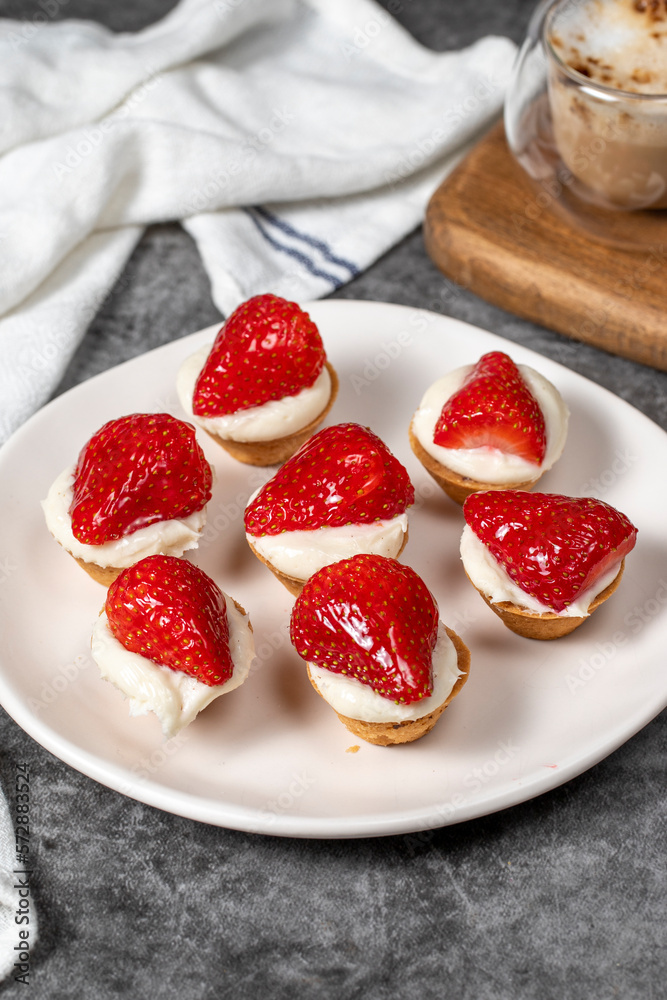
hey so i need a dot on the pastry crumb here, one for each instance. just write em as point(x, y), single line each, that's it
point(354, 749)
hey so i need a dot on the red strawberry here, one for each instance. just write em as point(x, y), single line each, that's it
point(342, 475)
point(372, 619)
point(267, 349)
point(494, 408)
point(171, 612)
point(142, 468)
point(553, 547)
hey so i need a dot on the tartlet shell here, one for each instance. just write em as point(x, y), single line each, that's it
point(102, 574)
point(278, 450)
point(455, 486)
point(386, 734)
point(532, 625)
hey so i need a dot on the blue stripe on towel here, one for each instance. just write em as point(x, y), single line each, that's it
point(320, 245)
point(291, 252)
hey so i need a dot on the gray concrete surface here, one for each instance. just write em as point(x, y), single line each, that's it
point(561, 898)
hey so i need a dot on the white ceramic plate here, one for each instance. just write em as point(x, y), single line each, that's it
point(272, 757)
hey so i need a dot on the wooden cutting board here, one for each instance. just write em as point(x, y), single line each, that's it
point(487, 229)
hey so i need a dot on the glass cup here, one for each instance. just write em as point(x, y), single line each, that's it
point(597, 150)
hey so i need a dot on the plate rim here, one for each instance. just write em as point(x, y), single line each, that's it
point(251, 819)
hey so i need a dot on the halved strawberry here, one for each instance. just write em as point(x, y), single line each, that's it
point(171, 612)
point(373, 619)
point(342, 475)
point(553, 547)
point(494, 408)
point(136, 470)
point(267, 349)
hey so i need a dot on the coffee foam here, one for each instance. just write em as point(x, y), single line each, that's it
point(618, 43)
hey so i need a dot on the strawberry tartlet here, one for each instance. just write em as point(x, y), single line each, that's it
point(492, 425)
point(264, 386)
point(171, 640)
point(376, 650)
point(544, 562)
point(341, 494)
point(140, 487)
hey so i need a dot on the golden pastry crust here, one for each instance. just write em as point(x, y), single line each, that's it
point(277, 451)
point(531, 625)
point(455, 486)
point(292, 583)
point(385, 734)
point(103, 574)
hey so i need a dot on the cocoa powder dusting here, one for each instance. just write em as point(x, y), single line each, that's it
point(656, 9)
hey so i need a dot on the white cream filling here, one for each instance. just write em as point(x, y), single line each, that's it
point(168, 538)
point(301, 553)
point(175, 697)
point(350, 697)
point(490, 465)
point(493, 581)
point(276, 419)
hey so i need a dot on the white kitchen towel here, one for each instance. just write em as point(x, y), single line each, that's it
point(296, 139)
